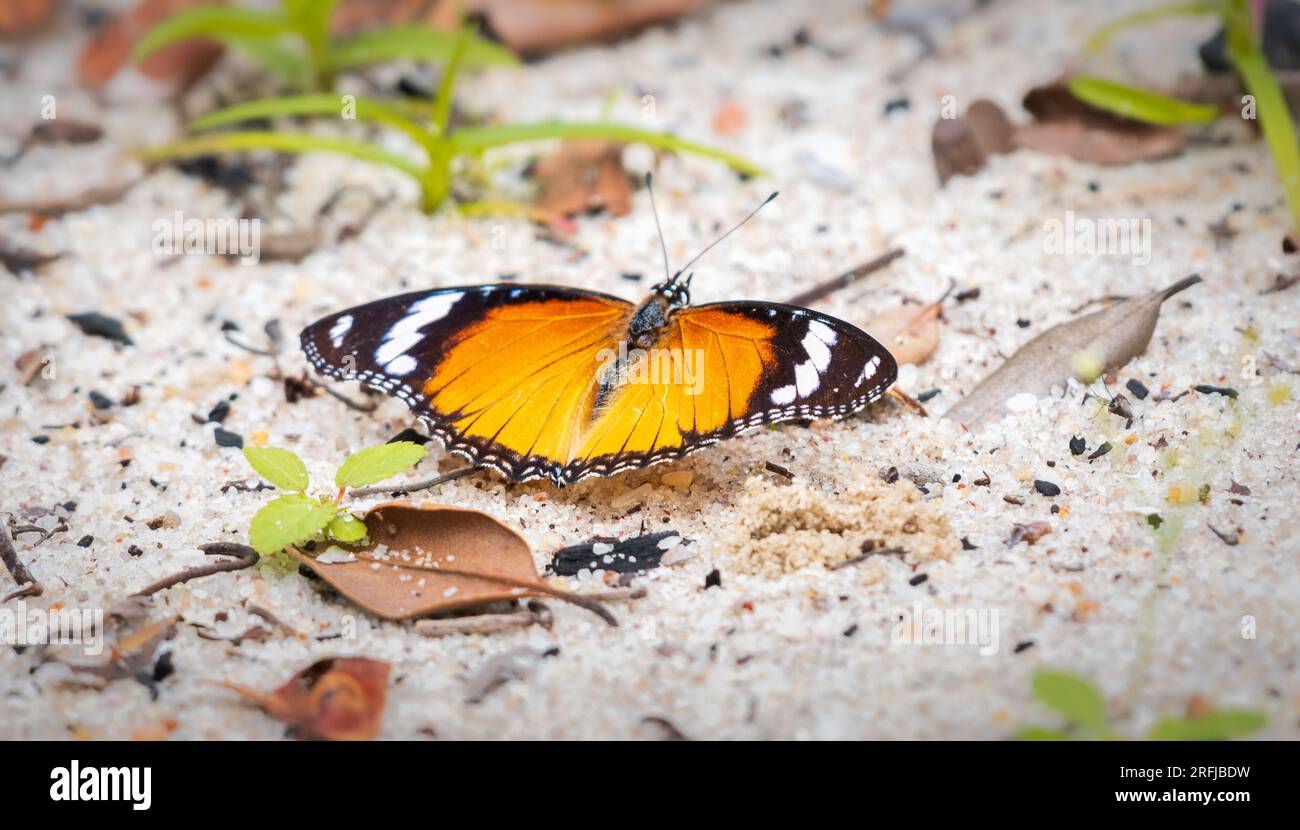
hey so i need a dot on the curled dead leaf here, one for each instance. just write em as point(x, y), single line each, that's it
point(336, 699)
point(422, 559)
point(910, 332)
point(1098, 342)
point(584, 176)
point(963, 145)
point(110, 48)
point(1067, 126)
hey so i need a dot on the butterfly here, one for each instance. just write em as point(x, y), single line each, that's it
point(545, 381)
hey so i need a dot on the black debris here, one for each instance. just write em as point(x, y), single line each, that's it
point(851, 630)
point(164, 668)
point(1046, 488)
point(1022, 645)
point(1100, 451)
point(927, 395)
point(135, 550)
point(219, 412)
point(1120, 406)
point(1078, 445)
point(966, 544)
point(1206, 389)
point(918, 579)
point(899, 104)
point(226, 438)
point(1137, 388)
point(713, 580)
point(100, 400)
point(40, 439)
point(85, 541)
point(968, 294)
point(409, 434)
point(94, 324)
point(1023, 323)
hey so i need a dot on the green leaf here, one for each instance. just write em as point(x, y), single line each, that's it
point(323, 103)
point(1102, 36)
point(281, 142)
point(287, 521)
point(1222, 725)
point(346, 528)
point(278, 466)
point(1271, 107)
point(474, 139)
point(1072, 696)
point(287, 62)
point(375, 464)
point(1041, 733)
point(215, 22)
point(1140, 104)
point(417, 43)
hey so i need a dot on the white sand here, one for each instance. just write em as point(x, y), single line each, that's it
point(759, 657)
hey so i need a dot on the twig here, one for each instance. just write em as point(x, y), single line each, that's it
point(368, 406)
point(245, 557)
point(846, 279)
point(777, 469)
point(27, 584)
point(540, 587)
point(864, 556)
point(378, 490)
point(535, 614)
point(908, 401)
point(61, 205)
point(617, 594)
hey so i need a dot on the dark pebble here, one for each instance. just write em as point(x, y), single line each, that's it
point(40, 439)
point(226, 438)
point(1023, 323)
point(1206, 389)
point(897, 104)
point(1138, 389)
point(713, 580)
point(219, 412)
point(409, 434)
point(1078, 445)
point(164, 668)
point(927, 395)
point(1022, 645)
point(918, 579)
point(968, 294)
point(100, 400)
point(851, 630)
point(135, 550)
point(99, 325)
point(966, 544)
point(85, 541)
point(631, 277)
point(1046, 488)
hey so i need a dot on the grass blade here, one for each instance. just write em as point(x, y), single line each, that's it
point(281, 143)
point(273, 56)
point(474, 139)
point(321, 103)
point(216, 22)
point(417, 43)
point(1106, 33)
point(1140, 104)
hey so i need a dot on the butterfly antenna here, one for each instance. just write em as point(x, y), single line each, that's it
point(655, 210)
point(737, 227)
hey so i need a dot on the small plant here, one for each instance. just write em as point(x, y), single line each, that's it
point(442, 145)
point(1247, 58)
point(1084, 709)
point(297, 518)
point(295, 42)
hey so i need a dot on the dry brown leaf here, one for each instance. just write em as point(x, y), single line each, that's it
point(19, 17)
point(584, 176)
point(1108, 339)
point(131, 656)
point(428, 558)
point(910, 332)
point(110, 48)
point(1067, 126)
point(962, 145)
point(336, 699)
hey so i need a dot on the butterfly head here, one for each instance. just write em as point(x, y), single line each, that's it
point(675, 291)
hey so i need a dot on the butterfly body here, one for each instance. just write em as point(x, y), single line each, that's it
point(562, 383)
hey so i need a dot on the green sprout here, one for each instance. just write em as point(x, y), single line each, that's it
point(441, 144)
point(297, 518)
point(295, 42)
point(1247, 58)
point(1084, 710)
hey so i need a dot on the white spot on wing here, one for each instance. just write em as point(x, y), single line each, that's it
point(822, 332)
point(405, 333)
point(403, 364)
point(341, 327)
point(806, 379)
point(818, 353)
point(783, 395)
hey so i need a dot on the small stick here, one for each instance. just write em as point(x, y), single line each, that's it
point(846, 279)
point(368, 406)
point(245, 557)
point(540, 587)
point(618, 594)
point(777, 469)
point(27, 584)
point(862, 557)
point(413, 486)
point(536, 613)
point(908, 401)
